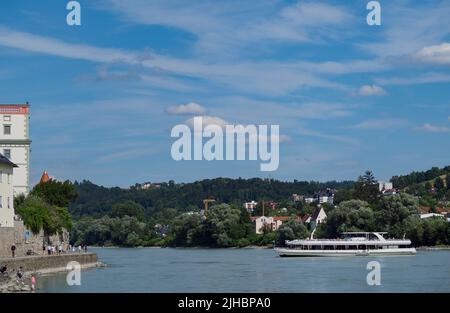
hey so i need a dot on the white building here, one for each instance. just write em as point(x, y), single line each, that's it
point(6, 192)
point(15, 142)
point(250, 206)
point(385, 186)
point(326, 199)
point(271, 222)
point(431, 215)
point(310, 199)
point(318, 217)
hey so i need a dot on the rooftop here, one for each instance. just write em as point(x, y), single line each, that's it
point(5, 160)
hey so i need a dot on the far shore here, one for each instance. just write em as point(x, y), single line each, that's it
point(194, 247)
point(422, 248)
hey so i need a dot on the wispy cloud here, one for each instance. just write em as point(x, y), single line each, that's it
point(427, 78)
point(371, 90)
point(226, 27)
point(384, 123)
point(186, 109)
point(433, 128)
point(439, 54)
point(312, 133)
point(40, 44)
point(408, 28)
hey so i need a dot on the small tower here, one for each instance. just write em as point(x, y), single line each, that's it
point(45, 178)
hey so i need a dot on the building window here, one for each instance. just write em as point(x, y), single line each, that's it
point(7, 153)
point(9, 178)
point(1, 202)
point(7, 118)
point(6, 129)
point(8, 204)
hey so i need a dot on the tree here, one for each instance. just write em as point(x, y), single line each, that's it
point(353, 215)
point(128, 208)
point(37, 214)
point(413, 228)
point(393, 210)
point(439, 184)
point(435, 231)
point(55, 192)
point(366, 188)
point(447, 181)
point(220, 221)
point(34, 213)
point(186, 230)
point(290, 230)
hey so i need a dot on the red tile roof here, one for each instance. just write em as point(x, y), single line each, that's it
point(281, 218)
point(45, 178)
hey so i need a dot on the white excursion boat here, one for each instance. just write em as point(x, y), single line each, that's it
point(353, 244)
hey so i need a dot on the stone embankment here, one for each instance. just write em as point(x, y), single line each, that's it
point(40, 265)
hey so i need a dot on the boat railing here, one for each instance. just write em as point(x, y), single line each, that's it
point(334, 240)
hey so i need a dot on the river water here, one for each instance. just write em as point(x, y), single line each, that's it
point(252, 270)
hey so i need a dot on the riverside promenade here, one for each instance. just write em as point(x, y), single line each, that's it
point(40, 265)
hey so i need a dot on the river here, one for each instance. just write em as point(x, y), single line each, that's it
point(252, 270)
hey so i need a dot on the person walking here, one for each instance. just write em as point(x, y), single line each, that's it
point(13, 250)
point(19, 274)
point(33, 283)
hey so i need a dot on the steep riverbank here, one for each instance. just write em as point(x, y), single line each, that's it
point(40, 265)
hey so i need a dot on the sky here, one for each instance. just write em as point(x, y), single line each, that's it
point(347, 96)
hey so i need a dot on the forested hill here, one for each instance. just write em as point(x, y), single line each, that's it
point(414, 178)
point(94, 200)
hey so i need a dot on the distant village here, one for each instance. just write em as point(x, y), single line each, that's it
point(319, 201)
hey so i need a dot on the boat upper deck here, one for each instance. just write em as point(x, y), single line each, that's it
point(353, 238)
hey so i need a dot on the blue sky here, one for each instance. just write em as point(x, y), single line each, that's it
point(347, 96)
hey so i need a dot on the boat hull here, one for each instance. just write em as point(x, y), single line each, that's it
point(283, 252)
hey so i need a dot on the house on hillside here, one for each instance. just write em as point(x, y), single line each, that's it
point(382, 186)
point(319, 216)
point(271, 222)
point(321, 197)
point(250, 206)
point(306, 219)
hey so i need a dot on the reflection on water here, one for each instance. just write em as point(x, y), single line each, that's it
point(252, 270)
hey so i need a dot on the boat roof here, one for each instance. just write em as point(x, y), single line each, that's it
point(363, 232)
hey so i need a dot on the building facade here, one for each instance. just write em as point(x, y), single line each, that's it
point(15, 143)
point(6, 192)
point(250, 206)
point(319, 216)
point(382, 186)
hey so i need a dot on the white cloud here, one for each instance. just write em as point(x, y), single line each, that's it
point(225, 27)
point(380, 123)
point(371, 90)
point(208, 120)
point(185, 109)
point(433, 128)
point(439, 54)
point(167, 72)
point(408, 28)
